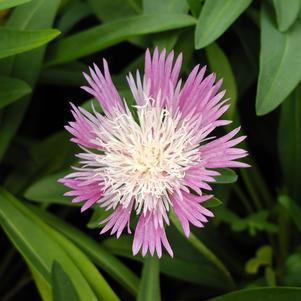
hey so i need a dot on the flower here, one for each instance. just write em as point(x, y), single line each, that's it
point(162, 159)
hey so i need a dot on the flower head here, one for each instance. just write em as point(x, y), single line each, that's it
point(162, 159)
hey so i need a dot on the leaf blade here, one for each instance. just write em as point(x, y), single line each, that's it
point(12, 89)
point(109, 34)
point(280, 69)
point(262, 294)
point(286, 13)
point(16, 41)
point(215, 18)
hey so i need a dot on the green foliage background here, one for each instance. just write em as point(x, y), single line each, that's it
point(250, 251)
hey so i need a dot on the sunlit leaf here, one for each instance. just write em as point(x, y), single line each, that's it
point(95, 251)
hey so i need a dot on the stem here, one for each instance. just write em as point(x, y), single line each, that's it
point(251, 189)
point(22, 283)
point(283, 238)
point(241, 195)
point(207, 253)
point(6, 261)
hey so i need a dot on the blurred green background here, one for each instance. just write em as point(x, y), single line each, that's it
point(250, 251)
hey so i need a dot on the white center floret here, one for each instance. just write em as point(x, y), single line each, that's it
point(145, 161)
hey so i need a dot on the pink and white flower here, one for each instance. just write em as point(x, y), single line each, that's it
point(161, 160)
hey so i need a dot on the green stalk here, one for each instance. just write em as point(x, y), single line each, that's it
point(243, 198)
point(207, 253)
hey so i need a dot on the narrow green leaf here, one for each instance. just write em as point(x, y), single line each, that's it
point(95, 280)
point(107, 10)
point(62, 286)
point(16, 41)
point(289, 142)
point(109, 34)
point(220, 64)
point(12, 89)
point(286, 12)
point(280, 67)
point(37, 243)
point(94, 250)
point(212, 203)
point(42, 285)
point(99, 214)
point(164, 7)
point(215, 18)
point(292, 209)
point(62, 76)
point(195, 7)
point(4, 4)
point(262, 294)
point(149, 289)
point(26, 66)
point(74, 13)
point(227, 176)
point(48, 190)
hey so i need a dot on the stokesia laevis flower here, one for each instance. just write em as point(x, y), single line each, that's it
point(160, 160)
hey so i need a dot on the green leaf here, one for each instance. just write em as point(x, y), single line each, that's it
point(262, 294)
point(95, 251)
point(42, 285)
point(107, 10)
point(12, 89)
point(74, 13)
point(220, 65)
point(48, 190)
point(109, 34)
point(64, 75)
point(62, 287)
point(289, 142)
point(212, 203)
point(286, 12)
point(4, 4)
point(26, 66)
point(164, 7)
point(215, 18)
point(195, 7)
point(38, 243)
point(292, 209)
point(16, 41)
point(99, 214)
point(280, 67)
point(253, 222)
point(292, 274)
point(149, 289)
point(227, 176)
point(263, 258)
